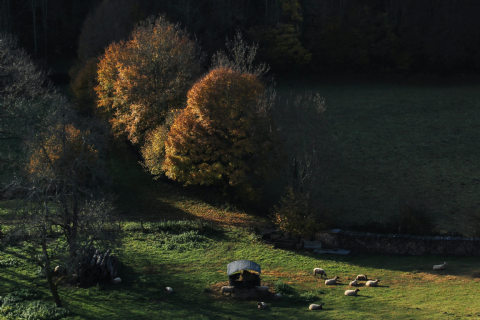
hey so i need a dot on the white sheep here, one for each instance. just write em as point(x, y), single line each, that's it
point(277, 296)
point(319, 271)
point(353, 283)
point(362, 277)
point(116, 281)
point(440, 266)
point(228, 289)
point(332, 281)
point(316, 306)
point(261, 288)
point(351, 292)
point(168, 290)
point(371, 283)
point(262, 305)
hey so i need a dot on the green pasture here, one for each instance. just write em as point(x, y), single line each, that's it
point(409, 289)
point(414, 139)
point(394, 141)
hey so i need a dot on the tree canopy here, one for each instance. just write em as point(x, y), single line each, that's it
point(141, 79)
point(220, 137)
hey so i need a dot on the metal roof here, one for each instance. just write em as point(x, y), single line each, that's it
point(242, 265)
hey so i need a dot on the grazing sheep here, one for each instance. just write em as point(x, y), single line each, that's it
point(228, 289)
point(319, 271)
point(168, 290)
point(262, 305)
point(261, 288)
point(316, 306)
point(277, 296)
point(353, 283)
point(351, 292)
point(332, 281)
point(362, 277)
point(440, 266)
point(116, 281)
point(371, 283)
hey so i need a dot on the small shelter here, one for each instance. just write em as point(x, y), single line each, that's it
point(244, 274)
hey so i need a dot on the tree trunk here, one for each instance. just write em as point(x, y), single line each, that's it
point(48, 270)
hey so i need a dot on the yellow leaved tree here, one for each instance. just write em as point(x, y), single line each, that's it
point(141, 79)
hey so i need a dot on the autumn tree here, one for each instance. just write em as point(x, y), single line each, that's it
point(220, 138)
point(112, 20)
point(141, 79)
point(62, 208)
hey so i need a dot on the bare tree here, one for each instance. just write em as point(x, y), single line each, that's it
point(61, 198)
point(240, 56)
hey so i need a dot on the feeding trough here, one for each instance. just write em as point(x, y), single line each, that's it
point(244, 274)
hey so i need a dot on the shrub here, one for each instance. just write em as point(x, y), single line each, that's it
point(294, 215)
point(283, 288)
point(24, 304)
point(11, 262)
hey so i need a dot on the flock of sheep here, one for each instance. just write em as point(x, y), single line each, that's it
point(321, 272)
point(354, 283)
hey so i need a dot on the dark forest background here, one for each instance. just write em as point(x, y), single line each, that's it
point(295, 36)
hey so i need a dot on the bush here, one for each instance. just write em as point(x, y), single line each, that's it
point(294, 216)
point(24, 304)
point(11, 262)
point(283, 288)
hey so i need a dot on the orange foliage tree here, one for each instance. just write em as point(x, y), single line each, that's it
point(62, 153)
point(220, 138)
point(140, 80)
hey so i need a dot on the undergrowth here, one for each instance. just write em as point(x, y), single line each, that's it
point(25, 304)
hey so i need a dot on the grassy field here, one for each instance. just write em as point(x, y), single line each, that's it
point(415, 139)
point(409, 289)
point(395, 140)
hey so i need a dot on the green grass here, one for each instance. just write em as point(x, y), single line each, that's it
point(409, 289)
point(391, 141)
point(401, 141)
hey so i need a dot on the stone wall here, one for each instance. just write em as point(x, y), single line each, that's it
point(399, 244)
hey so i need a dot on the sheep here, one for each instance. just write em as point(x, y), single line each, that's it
point(351, 292)
point(262, 305)
point(440, 266)
point(116, 281)
point(316, 306)
point(168, 290)
point(353, 283)
point(277, 296)
point(262, 289)
point(228, 289)
point(371, 283)
point(332, 281)
point(362, 277)
point(319, 271)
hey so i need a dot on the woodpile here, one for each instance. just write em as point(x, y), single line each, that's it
point(97, 266)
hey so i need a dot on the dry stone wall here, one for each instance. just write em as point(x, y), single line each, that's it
point(399, 244)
